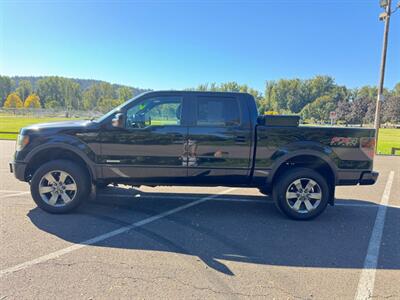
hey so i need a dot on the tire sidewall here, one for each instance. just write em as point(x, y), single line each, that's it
point(283, 182)
point(77, 172)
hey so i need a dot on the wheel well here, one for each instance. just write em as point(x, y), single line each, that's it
point(308, 161)
point(47, 155)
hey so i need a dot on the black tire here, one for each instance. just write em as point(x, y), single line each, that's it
point(286, 184)
point(75, 172)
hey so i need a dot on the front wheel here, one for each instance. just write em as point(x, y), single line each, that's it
point(301, 193)
point(59, 186)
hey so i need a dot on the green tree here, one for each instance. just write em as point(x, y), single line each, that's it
point(24, 89)
point(319, 109)
point(50, 91)
point(13, 101)
point(107, 104)
point(125, 93)
point(396, 90)
point(32, 101)
point(72, 94)
point(96, 93)
point(57, 91)
point(294, 94)
point(6, 87)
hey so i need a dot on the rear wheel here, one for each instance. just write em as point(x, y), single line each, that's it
point(60, 186)
point(301, 193)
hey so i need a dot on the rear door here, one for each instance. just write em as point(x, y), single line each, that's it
point(219, 142)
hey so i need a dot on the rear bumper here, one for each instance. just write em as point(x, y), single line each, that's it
point(368, 178)
point(357, 177)
point(18, 169)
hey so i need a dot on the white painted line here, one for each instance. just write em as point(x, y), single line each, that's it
point(366, 283)
point(356, 205)
point(10, 191)
point(14, 195)
point(105, 236)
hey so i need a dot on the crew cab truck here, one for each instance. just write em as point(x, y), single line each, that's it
point(196, 139)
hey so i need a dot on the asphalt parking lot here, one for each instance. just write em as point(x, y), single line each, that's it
point(189, 242)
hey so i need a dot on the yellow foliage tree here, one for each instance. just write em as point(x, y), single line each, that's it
point(270, 113)
point(32, 101)
point(13, 101)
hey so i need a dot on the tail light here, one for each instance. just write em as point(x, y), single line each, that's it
point(367, 145)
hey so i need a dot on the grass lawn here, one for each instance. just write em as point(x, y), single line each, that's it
point(388, 138)
point(15, 123)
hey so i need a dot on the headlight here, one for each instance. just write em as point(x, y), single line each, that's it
point(22, 141)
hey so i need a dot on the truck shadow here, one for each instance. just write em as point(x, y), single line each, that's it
point(236, 228)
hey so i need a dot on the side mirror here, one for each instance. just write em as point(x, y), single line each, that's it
point(118, 120)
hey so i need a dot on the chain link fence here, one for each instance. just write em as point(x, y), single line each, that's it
point(49, 113)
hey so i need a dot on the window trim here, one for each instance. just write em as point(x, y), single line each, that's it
point(234, 98)
point(180, 97)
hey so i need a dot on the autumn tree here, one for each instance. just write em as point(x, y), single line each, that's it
point(13, 101)
point(391, 109)
point(343, 111)
point(32, 101)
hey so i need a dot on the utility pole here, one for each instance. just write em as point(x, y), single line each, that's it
point(386, 4)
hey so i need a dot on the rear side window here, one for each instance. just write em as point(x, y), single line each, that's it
point(217, 111)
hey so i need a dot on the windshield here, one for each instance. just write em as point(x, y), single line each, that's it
point(111, 112)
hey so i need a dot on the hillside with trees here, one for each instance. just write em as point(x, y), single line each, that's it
point(67, 93)
point(312, 98)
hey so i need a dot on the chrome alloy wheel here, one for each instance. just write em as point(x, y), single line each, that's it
point(303, 195)
point(57, 188)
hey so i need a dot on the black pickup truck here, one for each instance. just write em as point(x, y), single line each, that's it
point(193, 138)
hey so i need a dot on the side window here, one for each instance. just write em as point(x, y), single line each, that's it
point(217, 111)
point(158, 111)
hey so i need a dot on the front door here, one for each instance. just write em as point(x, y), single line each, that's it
point(151, 146)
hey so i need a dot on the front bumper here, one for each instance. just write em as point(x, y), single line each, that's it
point(18, 168)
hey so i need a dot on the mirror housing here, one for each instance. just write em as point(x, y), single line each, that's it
point(260, 120)
point(118, 120)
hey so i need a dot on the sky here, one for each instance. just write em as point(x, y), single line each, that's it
point(181, 44)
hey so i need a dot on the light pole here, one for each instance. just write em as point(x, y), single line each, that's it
point(385, 16)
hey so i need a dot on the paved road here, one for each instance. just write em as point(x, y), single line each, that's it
point(182, 242)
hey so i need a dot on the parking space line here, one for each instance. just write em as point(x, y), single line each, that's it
point(106, 236)
point(366, 283)
point(10, 191)
point(14, 195)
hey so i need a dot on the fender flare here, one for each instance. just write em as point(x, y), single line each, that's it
point(58, 145)
point(281, 160)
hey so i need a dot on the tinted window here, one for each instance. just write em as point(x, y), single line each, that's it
point(158, 111)
point(217, 111)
